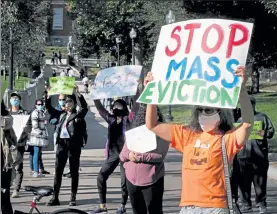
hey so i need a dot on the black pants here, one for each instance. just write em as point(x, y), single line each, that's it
point(107, 169)
point(6, 178)
point(67, 149)
point(252, 171)
point(147, 198)
point(19, 171)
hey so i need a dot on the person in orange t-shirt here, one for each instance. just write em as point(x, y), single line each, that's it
point(203, 183)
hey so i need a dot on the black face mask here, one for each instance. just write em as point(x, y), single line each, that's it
point(117, 112)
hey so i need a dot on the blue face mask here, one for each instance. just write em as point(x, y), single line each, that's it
point(40, 108)
point(61, 103)
point(15, 102)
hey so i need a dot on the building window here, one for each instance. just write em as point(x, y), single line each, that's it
point(58, 19)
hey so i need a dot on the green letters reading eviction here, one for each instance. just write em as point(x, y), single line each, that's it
point(195, 92)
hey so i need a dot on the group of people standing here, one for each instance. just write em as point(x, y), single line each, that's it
point(142, 175)
point(56, 58)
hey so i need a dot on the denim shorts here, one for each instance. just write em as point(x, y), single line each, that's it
point(202, 210)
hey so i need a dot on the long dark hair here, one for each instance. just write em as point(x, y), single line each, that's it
point(226, 120)
point(4, 111)
point(124, 104)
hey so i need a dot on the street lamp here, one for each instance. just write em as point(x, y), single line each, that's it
point(169, 19)
point(133, 35)
point(118, 41)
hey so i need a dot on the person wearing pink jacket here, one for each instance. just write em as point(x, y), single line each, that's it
point(145, 173)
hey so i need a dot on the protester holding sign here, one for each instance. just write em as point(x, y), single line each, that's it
point(203, 180)
point(252, 163)
point(70, 133)
point(145, 172)
point(119, 121)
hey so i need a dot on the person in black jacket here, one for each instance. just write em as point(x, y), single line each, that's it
point(251, 164)
point(70, 133)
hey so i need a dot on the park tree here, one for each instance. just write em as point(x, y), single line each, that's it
point(263, 49)
point(24, 24)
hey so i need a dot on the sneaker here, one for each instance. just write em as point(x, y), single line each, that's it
point(31, 172)
point(67, 175)
point(72, 200)
point(121, 210)
point(263, 209)
point(38, 175)
point(44, 172)
point(15, 194)
point(100, 210)
point(246, 209)
point(53, 202)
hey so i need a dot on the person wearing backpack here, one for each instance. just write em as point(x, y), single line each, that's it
point(10, 157)
point(68, 132)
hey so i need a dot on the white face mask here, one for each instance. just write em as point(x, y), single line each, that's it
point(209, 123)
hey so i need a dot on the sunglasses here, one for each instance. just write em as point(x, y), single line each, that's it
point(39, 104)
point(69, 101)
point(61, 99)
point(207, 111)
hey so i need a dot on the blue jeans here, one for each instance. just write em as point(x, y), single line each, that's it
point(37, 151)
point(41, 167)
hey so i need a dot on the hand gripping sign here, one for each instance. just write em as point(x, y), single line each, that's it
point(195, 61)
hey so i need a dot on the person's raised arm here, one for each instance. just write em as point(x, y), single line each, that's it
point(162, 130)
point(247, 114)
point(84, 106)
point(102, 111)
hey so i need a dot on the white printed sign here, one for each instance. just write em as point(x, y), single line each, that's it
point(141, 140)
point(116, 82)
point(19, 122)
point(194, 63)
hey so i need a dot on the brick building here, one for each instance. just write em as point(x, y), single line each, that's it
point(62, 25)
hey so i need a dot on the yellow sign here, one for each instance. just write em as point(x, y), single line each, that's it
point(257, 127)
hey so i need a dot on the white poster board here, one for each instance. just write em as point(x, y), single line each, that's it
point(141, 140)
point(19, 122)
point(116, 82)
point(194, 63)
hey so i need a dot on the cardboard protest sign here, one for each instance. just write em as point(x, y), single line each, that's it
point(257, 127)
point(141, 140)
point(195, 61)
point(19, 122)
point(116, 82)
point(61, 85)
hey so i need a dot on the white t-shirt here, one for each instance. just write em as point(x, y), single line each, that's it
point(85, 80)
point(71, 73)
point(64, 132)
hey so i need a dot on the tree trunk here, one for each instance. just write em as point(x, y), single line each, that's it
point(255, 79)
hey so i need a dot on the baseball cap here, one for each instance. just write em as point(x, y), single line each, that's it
point(15, 93)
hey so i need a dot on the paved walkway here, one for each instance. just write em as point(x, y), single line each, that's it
point(91, 160)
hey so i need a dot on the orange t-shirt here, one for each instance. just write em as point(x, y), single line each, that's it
point(203, 182)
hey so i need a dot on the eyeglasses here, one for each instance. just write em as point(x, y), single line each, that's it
point(39, 104)
point(61, 99)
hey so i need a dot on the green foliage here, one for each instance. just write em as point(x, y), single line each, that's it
point(24, 23)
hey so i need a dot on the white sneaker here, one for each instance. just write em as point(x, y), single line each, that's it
point(15, 194)
point(38, 175)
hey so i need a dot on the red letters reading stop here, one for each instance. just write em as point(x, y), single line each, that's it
point(175, 34)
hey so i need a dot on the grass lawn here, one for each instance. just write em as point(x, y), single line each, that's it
point(266, 102)
point(19, 83)
point(50, 49)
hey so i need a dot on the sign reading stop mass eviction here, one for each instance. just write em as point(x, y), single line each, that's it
point(195, 61)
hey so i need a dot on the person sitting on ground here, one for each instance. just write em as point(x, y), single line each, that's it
point(119, 121)
point(69, 132)
point(203, 180)
point(145, 172)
